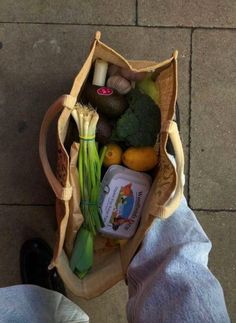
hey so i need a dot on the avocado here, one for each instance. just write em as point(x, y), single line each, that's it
point(103, 130)
point(106, 100)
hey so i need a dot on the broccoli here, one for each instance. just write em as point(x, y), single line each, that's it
point(140, 123)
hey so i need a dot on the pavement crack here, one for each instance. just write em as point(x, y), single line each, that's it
point(190, 115)
point(27, 204)
point(214, 210)
point(136, 12)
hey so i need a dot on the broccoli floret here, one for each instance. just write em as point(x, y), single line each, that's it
point(141, 122)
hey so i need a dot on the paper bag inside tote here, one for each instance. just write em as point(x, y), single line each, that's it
point(75, 216)
point(111, 260)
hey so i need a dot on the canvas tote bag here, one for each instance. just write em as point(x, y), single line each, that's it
point(111, 259)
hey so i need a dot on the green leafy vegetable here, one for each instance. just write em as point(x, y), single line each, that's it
point(141, 122)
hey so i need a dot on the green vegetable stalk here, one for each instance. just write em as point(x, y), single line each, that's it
point(89, 168)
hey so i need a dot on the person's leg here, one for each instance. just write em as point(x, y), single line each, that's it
point(169, 280)
point(34, 304)
point(41, 298)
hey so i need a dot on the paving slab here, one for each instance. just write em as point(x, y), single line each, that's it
point(73, 12)
point(213, 132)
point(38, 64)
point(20, 223)
point(220, 228)
point(17, 225)
point(110, 307)
point(191, 13)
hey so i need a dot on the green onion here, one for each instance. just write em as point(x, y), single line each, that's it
point(89, 168)
point(82, 257)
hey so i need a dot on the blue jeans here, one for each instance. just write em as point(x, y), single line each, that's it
point(168, 282)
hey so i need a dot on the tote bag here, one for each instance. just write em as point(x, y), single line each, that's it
point(111, 260)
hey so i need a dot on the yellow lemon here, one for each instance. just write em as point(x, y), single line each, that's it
point(113, 155)
point(141, 159)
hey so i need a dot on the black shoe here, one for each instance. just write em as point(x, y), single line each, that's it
point(169, 146)
point(35, 256)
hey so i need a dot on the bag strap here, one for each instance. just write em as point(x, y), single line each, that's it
point(64, 102)
point(128, 250)
point(68, 101)
point(172, 129)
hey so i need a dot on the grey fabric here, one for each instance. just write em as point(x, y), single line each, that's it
point(169, 280)
point(33, 304)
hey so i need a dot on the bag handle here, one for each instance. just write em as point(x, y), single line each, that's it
point(160, 211)
point(62, 193)
point(172, 129)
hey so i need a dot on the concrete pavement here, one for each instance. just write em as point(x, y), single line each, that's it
point(42, 47)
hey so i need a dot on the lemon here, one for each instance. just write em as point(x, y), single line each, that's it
point(113, 155)
point(141, 159)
